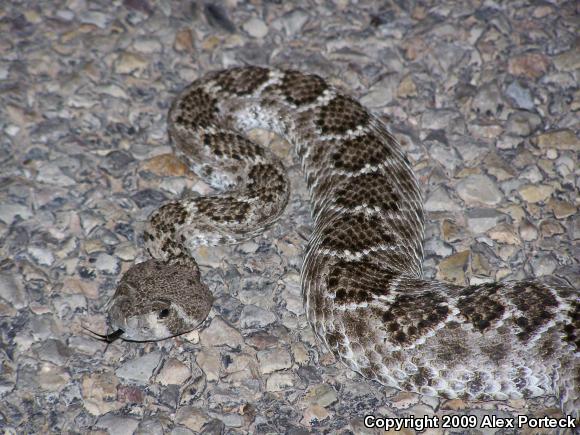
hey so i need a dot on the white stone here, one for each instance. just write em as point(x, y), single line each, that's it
point(255, 27)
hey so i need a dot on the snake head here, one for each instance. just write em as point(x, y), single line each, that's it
point(157, 299)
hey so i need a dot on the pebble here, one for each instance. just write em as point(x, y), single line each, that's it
point(99, 19)
point(107, 264)
point(439, 200)
point(559, 139)
point(53, 351)
point(140, 369)
point(166, 165)
point(323, 395)
point(174, 372)
point(279, 381)
point(531, 65)
point(568, 61)
point(313, 414)
point(41, 255)
point(52, 377)
point(50, 173)
point(118, 425)
point(536, 193)
point(452, 269)
point(9, 212)
point(192, 418)
point(272, 360)
point(479, 220)
point(522, 123)
point(219, 333)
point(478, 189)
point(504, 233)
point(520, 95)
point(256, 317)
point(12, 290)
point(130, 63)
point(255, 27)
point(210, 362)
point(562, 209)
point(528, 232)
point(543, 265)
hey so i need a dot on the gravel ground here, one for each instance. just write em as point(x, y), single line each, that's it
point(483, 95)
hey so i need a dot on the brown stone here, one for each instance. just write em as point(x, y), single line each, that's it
point(452, 269)
point(559, 139)
point(166, 165)
point(183, 41)
point(533, 65)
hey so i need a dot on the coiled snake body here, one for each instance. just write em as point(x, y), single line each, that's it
point(361, 277)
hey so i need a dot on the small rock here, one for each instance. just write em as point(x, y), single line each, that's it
point(99, 19)
point(165, 165)
point(183, 41)
point(559, 139)
point(118, 425)
point(255, 27)
point(294, 20)
point(480, 220)
point(116, 162)
point(520, 95)
point(476, 189)
point(381, 92)
point(107, 264)
point(528, 232)
point(50, 173)
point(174, 372)
point(488, 101)
point(407, 87)
point(438, 247)
point(210, 362)
point(140, 369)
point(279, 381)
point(130, 394)
point(12, 290)
point(550, 228)
point(54, 351)
point(147, 45)
point(192, 418)
point(452, 269)
point(504, 233)
point(568, 61)
point(439, 200)
point(561, 209)
point(522, 123)
point(128, 63)
point(41, 255)
point(441, 119)
point(300, 353)
point(52, 377)
point(535, 193)
point(532, 173)
point(255, 317)
point(219, 333)
point(8, 212)
point(313, 414)
point(543, 265)
point(272, 360)
point(532, 65)
point(323, 395)
point(404, 400)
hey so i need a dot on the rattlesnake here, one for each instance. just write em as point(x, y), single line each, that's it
point(361, 277)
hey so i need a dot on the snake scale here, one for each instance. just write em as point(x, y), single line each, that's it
point(362, 284)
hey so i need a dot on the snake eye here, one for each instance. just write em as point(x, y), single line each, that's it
point(164, 313)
